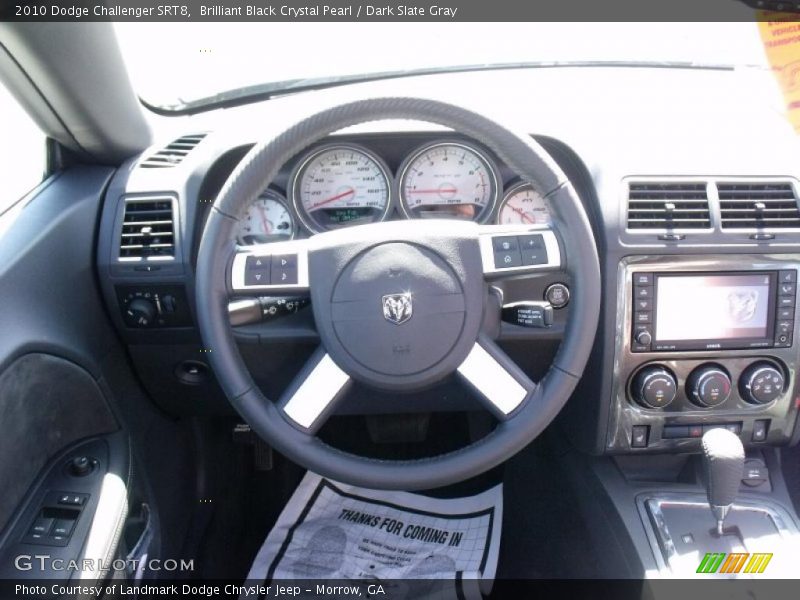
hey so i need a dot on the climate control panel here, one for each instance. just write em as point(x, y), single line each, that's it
point(687, 385)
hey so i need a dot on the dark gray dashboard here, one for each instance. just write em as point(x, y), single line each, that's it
point(606, 127)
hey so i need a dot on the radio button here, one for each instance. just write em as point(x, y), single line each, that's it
point(644, 338)
point(789, 276)
point(787, 289)
point(784, 340)
point(643, 317)
point(643, 304)
point(785, 301)
point(643, 279)
point(784, 327)
point(644, 292)
point(785, 314)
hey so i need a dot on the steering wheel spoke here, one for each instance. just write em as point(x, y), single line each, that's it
point(498, 381)
point(314, 393)
point(279, 267)
point(508, 251)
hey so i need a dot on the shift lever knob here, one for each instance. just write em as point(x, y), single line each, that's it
point(723, 461)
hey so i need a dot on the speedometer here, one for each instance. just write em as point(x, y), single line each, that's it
point(448, 179)
point(267, 219)
point(523, 204)
point(340, 185)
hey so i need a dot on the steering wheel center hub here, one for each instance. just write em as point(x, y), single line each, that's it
point(398, 309)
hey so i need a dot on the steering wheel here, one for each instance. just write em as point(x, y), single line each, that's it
point(398, 305)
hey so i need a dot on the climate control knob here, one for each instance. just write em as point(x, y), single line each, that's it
point(761, 383)
point(708, 386)
point(654, 387)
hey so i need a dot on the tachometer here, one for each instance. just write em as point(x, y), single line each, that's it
point(448, 179)
point(340, 185)
point(266, 220)
point(523, 204)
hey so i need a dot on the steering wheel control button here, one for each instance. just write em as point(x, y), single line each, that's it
point(257, 277)
point(557, 294)
point(257, 270)
point(521, 252)
point(639, 435)
point(654, 387)
point(534, 257)
point(761, 383)
point(505, 243)
point(529, 314)
point(533, 250)
point(505, 259)
point(708, 386)
point(258, 262)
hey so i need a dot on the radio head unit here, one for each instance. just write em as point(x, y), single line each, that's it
point(713, 310)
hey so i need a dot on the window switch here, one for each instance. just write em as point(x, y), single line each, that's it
point(63, 527)
point(42, 525)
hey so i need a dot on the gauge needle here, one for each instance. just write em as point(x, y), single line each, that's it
point(332, 198)
point(264, 220)
point(523, 214)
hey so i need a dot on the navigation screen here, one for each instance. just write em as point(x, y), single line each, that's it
point(712, 307)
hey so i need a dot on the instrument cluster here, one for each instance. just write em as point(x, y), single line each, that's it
point(338, 185)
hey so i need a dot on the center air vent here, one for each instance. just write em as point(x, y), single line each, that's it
point(147, 229)
point(758, 206)
point(668, 206)
point(174, 153)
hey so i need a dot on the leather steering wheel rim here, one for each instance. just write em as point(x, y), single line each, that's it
point(524, 156)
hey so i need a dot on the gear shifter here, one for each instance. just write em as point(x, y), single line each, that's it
point(723, 463)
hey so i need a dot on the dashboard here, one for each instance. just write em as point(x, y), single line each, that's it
point(692, 204)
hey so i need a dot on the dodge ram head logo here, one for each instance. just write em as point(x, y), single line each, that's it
point(397, 308)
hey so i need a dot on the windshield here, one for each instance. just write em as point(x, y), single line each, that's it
point(172, 66)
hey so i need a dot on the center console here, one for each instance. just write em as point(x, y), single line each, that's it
point(704, 342)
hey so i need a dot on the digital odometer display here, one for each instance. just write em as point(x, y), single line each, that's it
point(340, 185)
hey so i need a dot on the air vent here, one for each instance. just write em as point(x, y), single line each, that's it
point(758, 206)
point(174, 153)
point(668, 206)
point(147, 229)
